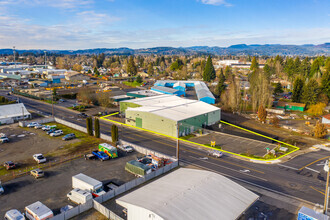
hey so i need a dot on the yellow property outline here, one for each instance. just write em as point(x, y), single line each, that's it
point(213, 148)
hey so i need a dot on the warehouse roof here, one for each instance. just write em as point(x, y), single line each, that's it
point(13, 110)
point(172, 107)
point(192, 194)
point(165, 89)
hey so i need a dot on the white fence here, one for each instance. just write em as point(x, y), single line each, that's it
point(71, 125)
point(105, 211)
point(39, 120)
point(74, 211)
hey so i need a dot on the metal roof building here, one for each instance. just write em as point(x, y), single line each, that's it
point(167, 90)
point(202, 91)
point(13, 112)
point(164, 113)
point(188, 194)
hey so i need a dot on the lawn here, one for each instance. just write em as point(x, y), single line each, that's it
point(133, 84)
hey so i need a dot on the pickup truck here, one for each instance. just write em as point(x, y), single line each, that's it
point(4, 139)
point(100, 155)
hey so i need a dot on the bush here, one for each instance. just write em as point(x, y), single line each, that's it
point(114, 133)
point(69, 96)
point(97, 127)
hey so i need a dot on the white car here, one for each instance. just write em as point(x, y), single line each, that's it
point(56, 133)
point(32, 124)
point(126, 148)
point(215, 153)
point(38, 126)
point(39, 158)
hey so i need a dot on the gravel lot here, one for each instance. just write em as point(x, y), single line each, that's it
point(52, 189)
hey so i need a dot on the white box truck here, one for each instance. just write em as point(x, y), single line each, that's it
point(81, 181)
point(79, 196)
point(38, 211)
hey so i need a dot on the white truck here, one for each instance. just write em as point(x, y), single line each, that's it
point(79, 196)
point(81, 181)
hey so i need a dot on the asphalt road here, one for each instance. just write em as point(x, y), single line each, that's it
point(302, 177)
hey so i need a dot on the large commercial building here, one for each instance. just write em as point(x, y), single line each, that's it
point(188, 194)
point(12, 113)
point(165, 113)
point(179, 88)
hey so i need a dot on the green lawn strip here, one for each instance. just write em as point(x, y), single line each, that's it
point(216, 146)
point(187, 137)
point(132, 84)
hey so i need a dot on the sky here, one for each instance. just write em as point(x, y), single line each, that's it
point(84, 24)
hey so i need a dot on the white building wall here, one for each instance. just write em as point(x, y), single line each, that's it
point(139, 213)
point(325, 121)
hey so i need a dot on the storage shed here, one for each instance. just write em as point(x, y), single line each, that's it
point(291, 106)
point(188, 194)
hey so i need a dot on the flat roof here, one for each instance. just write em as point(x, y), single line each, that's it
point(192, 194)
point(165, 89)
point(39, 209)
point(145, 92)
point(172, 107)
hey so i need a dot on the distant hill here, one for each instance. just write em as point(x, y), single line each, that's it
point(239, 49)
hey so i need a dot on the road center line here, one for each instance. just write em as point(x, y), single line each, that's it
point(312, 170)
point(287, 167)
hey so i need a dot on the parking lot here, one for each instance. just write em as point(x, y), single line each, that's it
point(52, 189)
point(235, 144)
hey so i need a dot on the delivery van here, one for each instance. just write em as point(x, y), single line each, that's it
point(79, 196)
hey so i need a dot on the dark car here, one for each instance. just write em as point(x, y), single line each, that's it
point(69, 137)
point(51, 131)
point(9, 165)
point(82, 115)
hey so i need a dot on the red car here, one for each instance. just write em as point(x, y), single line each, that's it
point(9, 165)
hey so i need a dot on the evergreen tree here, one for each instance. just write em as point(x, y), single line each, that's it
point(297, 90)
point(325, 83)
point(131, 67)
point(150, 69)
point(114, 133)
point(96, 71)
point(89, 126)
point(97, 128)
point(139, 79)
point(209, 72)
point(305, 67)
point(254, 65)
point(278, 89)
point(267, 71)
point(315, 68)
point(297, 64)
point(310, 92)
point(289, 67)
point(228, 72)
point(221, 85)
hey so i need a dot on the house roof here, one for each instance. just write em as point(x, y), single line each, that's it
point(326, 116)
point(13, 110)
point(192, 194)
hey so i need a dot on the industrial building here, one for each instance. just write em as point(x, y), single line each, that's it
point(179, 87)
point(12, 113)
point(143, 93)
point(165, 113)
point(188, 194)
point(167, 90)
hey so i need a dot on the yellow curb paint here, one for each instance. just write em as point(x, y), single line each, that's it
point(202, 145)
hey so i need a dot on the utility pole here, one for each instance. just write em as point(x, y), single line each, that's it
point(177, 142)
point(326, 198)
point(53, 104)
point(23, 113)
point(14, 56)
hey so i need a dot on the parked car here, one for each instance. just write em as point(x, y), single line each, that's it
point(82, 115)
point(38, 126)
point(56, 133)
point(89, 156)
point(1, 189)
point(39, 158)
point(215, 153)
point(9, 165)
point(37, 173)
point(62, 100)
point(69, 137)
point(14, 214)
point(51, 131)
point(32, 124)
point(101, 155)
point(126, 148)
point(48, 127)
point(4, 139)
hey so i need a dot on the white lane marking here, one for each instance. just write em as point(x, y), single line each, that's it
point(312, 170)
point(245, 171)
point(288, 167)
point(227, 168)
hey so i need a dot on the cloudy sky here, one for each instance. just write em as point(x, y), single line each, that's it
point(82, 24)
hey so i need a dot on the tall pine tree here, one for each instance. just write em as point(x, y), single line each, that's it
point(221, 84)
point(310, 92)
point(297, 90)
point(209, 72)
point(254, 65)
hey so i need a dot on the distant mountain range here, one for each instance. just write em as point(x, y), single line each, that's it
point(239, 49)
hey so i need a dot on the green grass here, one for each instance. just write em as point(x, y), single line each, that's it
point(187, 137)
point(216, 146)
point(49, 101)
point(79, 108)
point(132, 84)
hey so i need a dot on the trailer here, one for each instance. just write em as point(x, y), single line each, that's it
point(38, 211)
point(109, 150)
point(83, 182)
